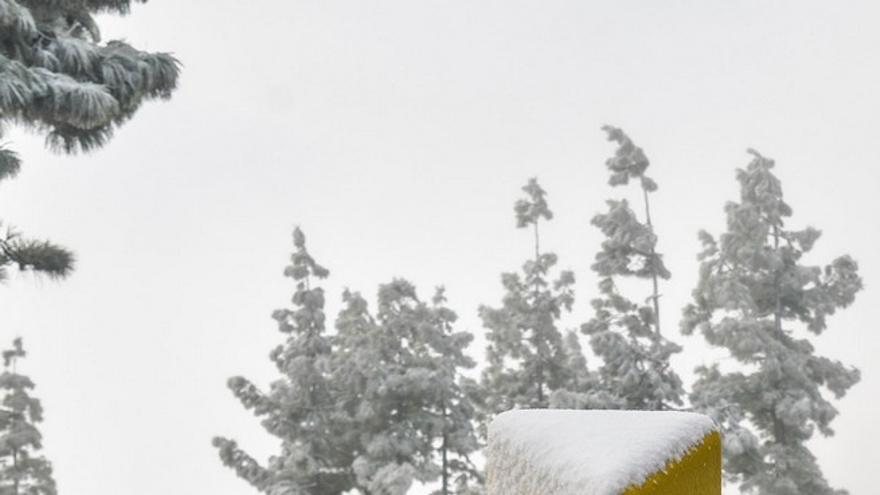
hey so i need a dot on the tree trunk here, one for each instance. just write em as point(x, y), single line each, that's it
point(538, 337)
point(777, 313)
point(656, 295)
point(443, 450)
point(15, 470)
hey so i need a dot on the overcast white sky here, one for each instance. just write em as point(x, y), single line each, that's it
point(398, 133)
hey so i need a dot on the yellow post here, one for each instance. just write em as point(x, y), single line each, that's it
point(697, 473)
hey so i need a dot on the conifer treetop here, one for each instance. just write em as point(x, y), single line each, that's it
point(758, 258)
point(298, 408)
point(530, 210)
point(760, 188)
point(628, 162)
point(757, 299)
point(526, 352)
point(302, 264)
point(624, 333)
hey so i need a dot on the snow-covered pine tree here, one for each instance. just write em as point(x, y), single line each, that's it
point(353, 366)
point(756, 299)
point(526, 354)
point(400, 379)
point(624, 333)
point(456, 437)
point(300, 407)
point(22, 470)
point(57, 77)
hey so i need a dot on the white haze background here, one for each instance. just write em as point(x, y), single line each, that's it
point(397, 134)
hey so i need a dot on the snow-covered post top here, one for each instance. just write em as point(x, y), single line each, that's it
point(568, 452)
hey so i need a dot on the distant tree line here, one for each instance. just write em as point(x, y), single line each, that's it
point(383, 399)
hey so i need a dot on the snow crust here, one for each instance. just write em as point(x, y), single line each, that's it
point(576, 452)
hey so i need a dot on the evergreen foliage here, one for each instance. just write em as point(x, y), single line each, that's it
point(22, 470)
point(584, 389)
point(455, 437)
point(526, 353)
point(30, 254)
point(399, 375)
point(300, 407)
point(756, 299)
point(57, 78)
point(624, 333)
point(372, 409)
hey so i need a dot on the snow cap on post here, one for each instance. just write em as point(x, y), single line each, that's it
point(575, 452)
